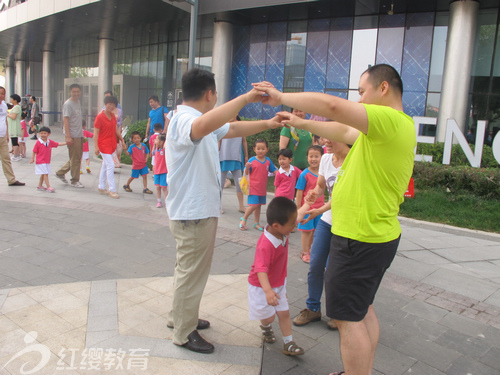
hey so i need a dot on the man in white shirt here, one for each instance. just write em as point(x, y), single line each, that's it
point(194, 199)
point(4, 143)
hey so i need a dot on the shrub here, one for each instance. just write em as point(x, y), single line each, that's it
point(139, 126)
point(457, 155)
point(482, 182)
point(273, 138)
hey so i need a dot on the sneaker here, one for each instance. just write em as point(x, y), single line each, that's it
point(114, 194)
point(158, 205)
point(40, 188)
point(77, 184)
point(16, 158)
point(103, 191)
point(88, 170)
point(61, 177)
point(307, 316)
point(332, 325)
point(50, 190)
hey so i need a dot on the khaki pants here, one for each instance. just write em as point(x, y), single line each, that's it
point(75, 151)
point(195, 247)
point(6, 163)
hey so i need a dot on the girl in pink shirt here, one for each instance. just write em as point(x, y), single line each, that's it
point(160, 168)
point(43, 153)
point(24, 137)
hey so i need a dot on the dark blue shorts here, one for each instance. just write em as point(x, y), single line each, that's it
point(139, 172)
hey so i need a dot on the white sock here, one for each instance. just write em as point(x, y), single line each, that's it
point(287, 339)
point(159, 200)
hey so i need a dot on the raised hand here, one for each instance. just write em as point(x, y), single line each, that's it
point(273, 97)
point(287, 119)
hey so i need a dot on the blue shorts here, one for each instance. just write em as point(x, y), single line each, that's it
point(161, 180)
point(310, 225)
point(140, 172)
point(255, 200)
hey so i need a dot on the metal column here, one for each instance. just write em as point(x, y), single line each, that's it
point(222, 59)
point(458, 65)
point(48, 89)
point(20, 84)
point(9, 79)
point(106, 48)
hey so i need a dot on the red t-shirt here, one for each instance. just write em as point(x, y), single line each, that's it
point(160, 166)
point(271, 257)
point(138, 155)
point(44, 151)
point(152, 141)
point(285, 183)
point(87, 134)
point(258, 175)
point(106, 140)
point(306, 182)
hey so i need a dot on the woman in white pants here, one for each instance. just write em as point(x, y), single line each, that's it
point(106, 136)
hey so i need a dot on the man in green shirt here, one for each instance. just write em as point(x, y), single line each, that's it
point(365, 199)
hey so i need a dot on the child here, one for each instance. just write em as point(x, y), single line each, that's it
point(287, 175)
point(157, 128)
point(160, 168)
point(85, 155)
point(25, 135)
point(306, 182)
point(139, 153)
point(43, 152)
point(267, 279)
point(257, 169)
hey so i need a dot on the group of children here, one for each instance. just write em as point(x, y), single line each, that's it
point(267, 280)
point(138, 151)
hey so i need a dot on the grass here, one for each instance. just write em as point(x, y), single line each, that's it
point(459, 209)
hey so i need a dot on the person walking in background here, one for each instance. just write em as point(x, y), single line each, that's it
point(42, 153)
point(24, 136)
point(4, 143)
point(35, 116)
point(14, 122)
point(72, 119)
point(296, 140)
point(86, 152)
point(233, 155)
point(365, 200)
point(157, 115)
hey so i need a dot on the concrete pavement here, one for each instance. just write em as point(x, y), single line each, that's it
point(85, 285)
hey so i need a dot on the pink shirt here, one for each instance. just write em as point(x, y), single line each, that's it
point(271, 257)
point(138, 155)
point(87, 134)
point(306, 182)
point(24, 129)
point(152, 141)
point(258, 175)
point(43, 151)
point(285, 182)
point(160, 166)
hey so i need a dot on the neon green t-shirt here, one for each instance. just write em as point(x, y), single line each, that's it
point(375, 174)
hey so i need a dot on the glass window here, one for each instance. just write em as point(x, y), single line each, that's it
point(487, 21)
point(437, 58)
point(364, 45)
point(296, 55)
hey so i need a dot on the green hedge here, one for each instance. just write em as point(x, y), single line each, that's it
point(139, 126)
point(482, 182)
point(457, 155)
point(273, 138)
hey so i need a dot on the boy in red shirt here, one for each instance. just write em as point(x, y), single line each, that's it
point(85, 154)
point(267, 279)
point(287, 175)
point(43, 152)
point(139, 153)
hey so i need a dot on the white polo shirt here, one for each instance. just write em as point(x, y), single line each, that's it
point(193, 169)
point(3, 119)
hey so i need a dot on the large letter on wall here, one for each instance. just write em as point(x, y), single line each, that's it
point(496, 147)
point(453, 129)
point(423, 138)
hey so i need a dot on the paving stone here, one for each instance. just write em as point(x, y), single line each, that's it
point(492, 358)
point(467, 365)
point(410, 268)
point(390, 361)
point(421, 368)
point(424, 310)
point(472, 346)
point(462, 324)
point(430, 353)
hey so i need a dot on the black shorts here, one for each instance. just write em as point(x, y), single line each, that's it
point(355, 270)
point(14, 141)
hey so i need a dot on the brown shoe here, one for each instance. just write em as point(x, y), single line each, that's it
point(332, 325)
point(307, 316)
point(268, 334)
point(17, 183)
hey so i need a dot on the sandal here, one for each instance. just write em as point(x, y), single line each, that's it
point(243, 226)
point(337, 373)
point(268, 334)
point(127, 188)
point(292, 349)
point(306, 257)
point(147, 191)
point(259, 228)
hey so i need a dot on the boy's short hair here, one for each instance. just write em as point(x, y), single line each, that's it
point(84, 124)
point(108, 92)
point(195, 83)
point(44, 129)
point(75, 86)
point(261, 140)
point(315, 147)
point(154, 98)
point(286, 152)
point(157, 126)
point(162, 137)
point(23, 115)
point(135, 133)
point(280, 210)
point(110, 99)
point(384, 72)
